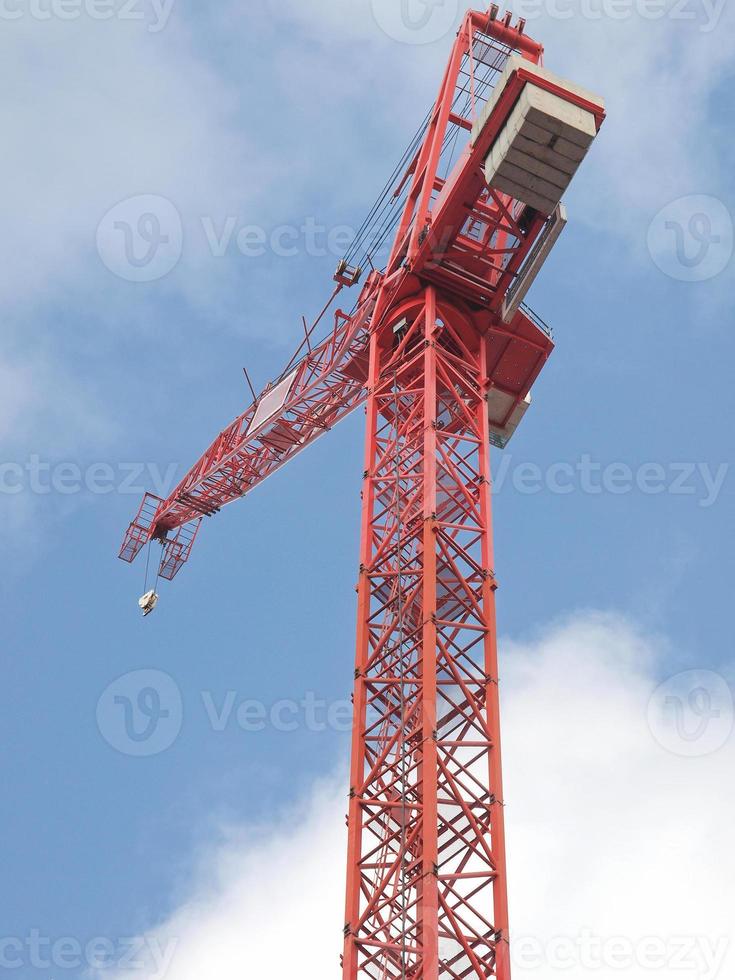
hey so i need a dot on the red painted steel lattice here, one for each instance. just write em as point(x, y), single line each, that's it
point(426, 892)
point(425, 347)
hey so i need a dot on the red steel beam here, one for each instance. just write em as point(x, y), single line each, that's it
point(426, 880)
point(328, 383)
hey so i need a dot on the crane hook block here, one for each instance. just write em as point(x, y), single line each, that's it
point(148, 602)
point(346, 275)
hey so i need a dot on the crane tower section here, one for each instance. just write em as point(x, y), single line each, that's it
point(442, 352)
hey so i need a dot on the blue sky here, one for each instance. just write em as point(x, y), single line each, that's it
point(614, 502)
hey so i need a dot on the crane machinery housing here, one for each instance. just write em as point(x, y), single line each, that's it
point(442, 352)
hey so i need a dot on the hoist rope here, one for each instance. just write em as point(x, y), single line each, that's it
point(385, 213)
point(147, 561)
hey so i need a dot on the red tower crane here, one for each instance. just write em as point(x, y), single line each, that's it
point(443, 353)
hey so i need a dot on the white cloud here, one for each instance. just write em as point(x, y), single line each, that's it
point(102, 111)
point(267, 896)
point(45, 418)
point(42, 409)
point(659, 78)
point(96, 111)
point(658, 64)
point(608, 830)
point(616, 844)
